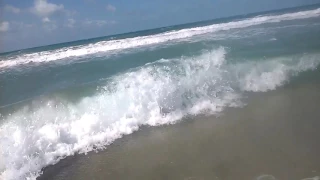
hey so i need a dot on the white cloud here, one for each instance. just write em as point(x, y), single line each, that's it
point(12, 9)
point(17, 27)
point(4, 26)
point(20, 25)
point(111, 8)
point(95, 22)
point(70, 23)
point(70, 13)
point(49, 27)
point(45, 20)
point(99, 23)
point(44, 9)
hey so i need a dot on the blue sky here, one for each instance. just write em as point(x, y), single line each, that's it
point(29, 23)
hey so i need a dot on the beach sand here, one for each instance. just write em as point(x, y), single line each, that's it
point(275, 134)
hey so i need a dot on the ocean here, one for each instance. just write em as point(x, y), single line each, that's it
point(161, 94)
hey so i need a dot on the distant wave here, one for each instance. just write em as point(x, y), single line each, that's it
point(112, 45)
point(162, 92)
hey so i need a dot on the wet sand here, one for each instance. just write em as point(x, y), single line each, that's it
point(276, 134)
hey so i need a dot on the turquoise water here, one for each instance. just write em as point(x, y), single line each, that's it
point(76, 97)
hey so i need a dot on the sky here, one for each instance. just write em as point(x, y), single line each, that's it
point(31, 23)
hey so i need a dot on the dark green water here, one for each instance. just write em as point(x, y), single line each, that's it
point(65, 99)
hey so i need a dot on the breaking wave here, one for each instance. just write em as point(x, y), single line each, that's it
point(162, 92)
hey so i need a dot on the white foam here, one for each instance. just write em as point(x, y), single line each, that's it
point(266, 177)
point(122, 44)
point(268, 75)
point(314, 178)
point(158, 93)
